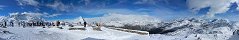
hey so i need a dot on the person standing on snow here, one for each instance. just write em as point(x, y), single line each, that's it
point(5, 24)
point(58, 23)
point(12, 24)
point(23, 24)
point(98, 27)
point(84, 23)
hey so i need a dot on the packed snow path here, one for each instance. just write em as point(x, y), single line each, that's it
point(17, 33)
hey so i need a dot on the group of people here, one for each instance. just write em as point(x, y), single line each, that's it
point(24, 24)
point(3, 24)
point(43, 24)
point(96, 27)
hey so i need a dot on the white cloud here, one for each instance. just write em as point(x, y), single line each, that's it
point(28, 2)
point(216, 6)
point(163, 13)
point(53, 15)
point(86, 2)
point(59, 6)
point(123, 11)
point(28, 13)
point(1, 7)
point(146, 2)
point(105, 11)
point(36, 14)
point(141, 2)
point(56, 5)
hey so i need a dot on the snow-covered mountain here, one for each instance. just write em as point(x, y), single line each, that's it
point(197, 25)
point(31, 17)
point(119, 20)
point(14, 19)
point(194, 28)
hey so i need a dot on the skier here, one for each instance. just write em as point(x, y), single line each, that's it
point(37, 23)
point(57, 23)
point(85, 23)
point(5, 24)
point(34, 23)
point(52, 23)
point(19, 24)
point(23, 24)
point(1, 25)
point(41, 24)
point(80, 23)
point(98, 27)
point(12, 24)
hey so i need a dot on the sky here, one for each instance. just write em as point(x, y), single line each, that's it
point(163, 9)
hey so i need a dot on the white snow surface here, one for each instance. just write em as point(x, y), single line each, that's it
point(18, 33)
point(226, 34)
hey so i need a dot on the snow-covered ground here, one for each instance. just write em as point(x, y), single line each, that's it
point(18, 33)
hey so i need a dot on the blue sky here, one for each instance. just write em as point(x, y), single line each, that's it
point(165, 9)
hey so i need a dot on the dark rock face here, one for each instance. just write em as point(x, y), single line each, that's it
point(136, 27)
point(155, 30)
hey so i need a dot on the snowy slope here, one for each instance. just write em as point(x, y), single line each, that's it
point(3, 18)
point(64, 34)
point(223, 36)
point(235, 36)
